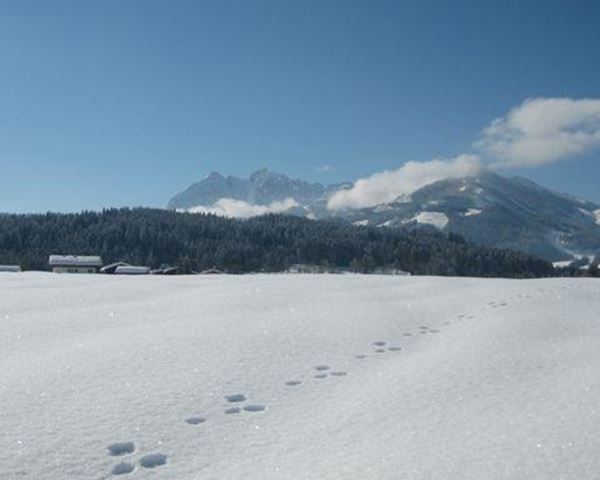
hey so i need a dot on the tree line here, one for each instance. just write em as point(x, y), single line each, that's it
point(270, 243)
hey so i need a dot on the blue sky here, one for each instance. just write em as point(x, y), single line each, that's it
point(124, 103)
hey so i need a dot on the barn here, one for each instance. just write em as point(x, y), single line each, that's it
point(74, 263)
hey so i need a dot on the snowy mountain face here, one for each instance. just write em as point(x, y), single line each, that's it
point(487, 209)
point(261, 188)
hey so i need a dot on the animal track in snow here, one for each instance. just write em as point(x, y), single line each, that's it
point(379, 343)
point(232, 410)
point(380, 350)
point(121, 448)
point(195, 420)
point(236, 397)
point(293, 383)
point(122, 468)
point(322, 368)
point(407, 334)
point(360, 357)
point(153, 460)
point(394, 349)
point(339, 374)
point(255, 408)
point(321, 375)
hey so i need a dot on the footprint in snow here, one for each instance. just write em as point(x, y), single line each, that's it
point(255, 408)
point(407, 334)
point(232, 410)
point(293, 383)
point(379, 343)
point(339, 374)
point(321, 375)
point(236, 397)
point(322, 368)
point(360, 357)
point(121, 448)
point(394, 349)
point(380, 350)
point(195, 420)
point(434, 331)
point(122, 468)
point(153, 460)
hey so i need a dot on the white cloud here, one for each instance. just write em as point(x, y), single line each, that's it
point(228, 207)
point(385, 187)
point(323, 168)
point(543, 130)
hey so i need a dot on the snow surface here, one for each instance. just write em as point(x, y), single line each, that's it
point(471, 212)
point(437, 219)
point(597, 215)
point(360, 223)
point(387, 223)
point(326, 377)
point(562, 263)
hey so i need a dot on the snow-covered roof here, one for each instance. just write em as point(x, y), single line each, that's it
point(75, 261)
point(110, 268)
point(132, 270)
point(10, 268)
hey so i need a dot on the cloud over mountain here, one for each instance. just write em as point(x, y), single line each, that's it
point(542, 131)
point(385, 187)
point(228, 207)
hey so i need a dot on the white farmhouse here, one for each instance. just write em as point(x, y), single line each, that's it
point(74, 263)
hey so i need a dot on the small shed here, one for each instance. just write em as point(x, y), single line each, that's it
point(10, 268)
point(112, 267)
point(75, 263)
point(132, 270)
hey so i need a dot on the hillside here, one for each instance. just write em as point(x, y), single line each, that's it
point(271, 243)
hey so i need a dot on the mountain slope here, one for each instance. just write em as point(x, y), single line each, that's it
point(487, 209)
point(504, 212)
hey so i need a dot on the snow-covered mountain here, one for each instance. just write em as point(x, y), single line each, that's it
point(488, 209)
point(263, 187)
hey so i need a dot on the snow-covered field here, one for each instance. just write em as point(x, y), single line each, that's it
point(337, 377)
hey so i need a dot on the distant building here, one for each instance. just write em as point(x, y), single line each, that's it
point(10, 268)
point(110, 268)
point(164, 270)
point(132, 270)
point(74, 263)
point(212, 271)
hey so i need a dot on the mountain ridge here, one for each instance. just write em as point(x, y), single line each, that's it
point(488, 209)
